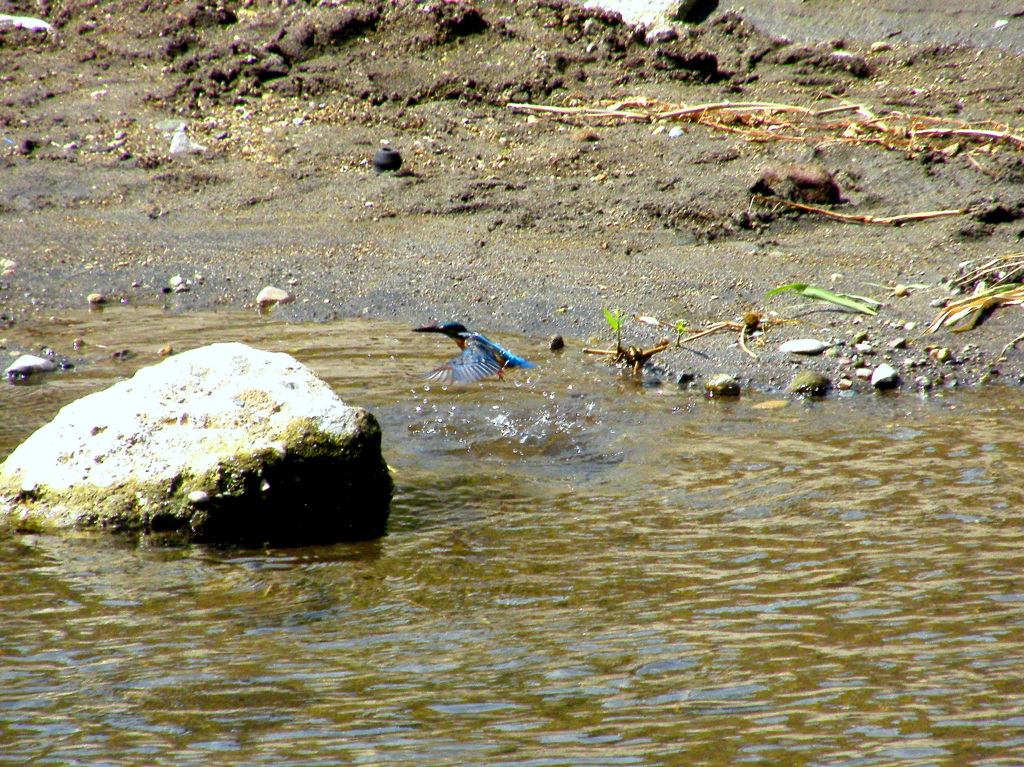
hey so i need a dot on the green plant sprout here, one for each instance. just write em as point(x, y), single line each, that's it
point(615, 317)
point(681, 327)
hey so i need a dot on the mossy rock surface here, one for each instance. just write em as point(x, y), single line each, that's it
point(223, 443)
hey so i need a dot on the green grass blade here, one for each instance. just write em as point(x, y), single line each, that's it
point(820, 294)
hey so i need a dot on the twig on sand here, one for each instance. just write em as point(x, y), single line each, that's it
point(724, 325)
point(975, 133)
point(632, 356)
point(864, 218)
point(766, 121)
point(1011, 345)
point(998, 271)
point(743, 346)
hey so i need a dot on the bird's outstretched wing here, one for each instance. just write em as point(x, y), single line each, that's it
point(473, 364)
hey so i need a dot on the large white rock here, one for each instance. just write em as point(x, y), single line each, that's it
point(225, 442)
point(650, 13)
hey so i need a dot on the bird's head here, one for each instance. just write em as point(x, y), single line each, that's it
point(450, 329)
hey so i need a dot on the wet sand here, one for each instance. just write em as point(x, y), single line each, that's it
point(511, 220)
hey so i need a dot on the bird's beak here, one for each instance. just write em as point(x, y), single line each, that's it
point(427, 329)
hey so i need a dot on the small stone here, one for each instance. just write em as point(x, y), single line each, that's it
point(864, 373)
point(683, 380)
point(923, 382)
point(810, 184)
point(885, 377)
point(28, 365)
point(556, 343)
point(387, 159)
point(178, 284)
point(95, 299)
point(901, 291)
point(898, 343)
point(771, 404)
point(938, 303)
point(166, 350)
point(880, 46)
point(182, 144)
point(675, 132)
point(909, 325)
point(942, 354)
point(270, 297)
point(198, 496)
point(860, 337)
point(844, 384)
point(864, 348)
point(803, 346)
point(809, 382)
point(722, 385)
point(583, 135)
point(990, 376)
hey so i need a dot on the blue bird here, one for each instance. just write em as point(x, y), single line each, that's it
point(480, 357)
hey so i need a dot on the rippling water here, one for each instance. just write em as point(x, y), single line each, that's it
point(578, 572)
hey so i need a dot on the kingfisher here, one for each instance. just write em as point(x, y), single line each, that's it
point(480, 356)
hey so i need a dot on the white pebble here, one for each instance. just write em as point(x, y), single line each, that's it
point(884, 377)
point(270, 296)
point(28, 364)
point(803, 346)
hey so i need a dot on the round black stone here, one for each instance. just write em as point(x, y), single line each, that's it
point(387, 159)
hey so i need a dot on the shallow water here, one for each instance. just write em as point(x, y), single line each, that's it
point(578, 571)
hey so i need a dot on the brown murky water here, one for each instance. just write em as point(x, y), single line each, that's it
point(578, 572)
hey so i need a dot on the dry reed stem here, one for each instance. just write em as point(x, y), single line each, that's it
point(974, 307)
point(1012, 268)
point(863, 218)
point(743, 346)
point(763, 121)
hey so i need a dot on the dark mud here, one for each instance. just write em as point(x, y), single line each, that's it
point(500, 219)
